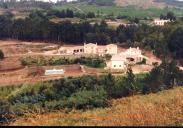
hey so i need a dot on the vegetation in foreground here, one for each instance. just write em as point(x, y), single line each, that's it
point(160, 109)
point(84, 92)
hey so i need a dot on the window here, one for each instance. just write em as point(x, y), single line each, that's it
point(81, 50)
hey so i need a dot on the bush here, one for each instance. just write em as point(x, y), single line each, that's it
point(88, 99)
point(5, 113)
point(97, 62)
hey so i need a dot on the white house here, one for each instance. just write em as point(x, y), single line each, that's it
point(130, 56)
point(118, 62)
point(112, 49)
point(100, 49)
point(89, 48)
point(160, 22)
point(133, 55)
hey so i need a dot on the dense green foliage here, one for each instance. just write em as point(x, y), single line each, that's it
point(170, 16)
point(86, 91)
point(102, 2)
point(25, 5)
point(175, 43)
point(96, 62)
point(69, 14)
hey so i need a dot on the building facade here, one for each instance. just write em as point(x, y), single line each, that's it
point(89, 49)
point(122, 60)
point(118, 62)
point(160, 22)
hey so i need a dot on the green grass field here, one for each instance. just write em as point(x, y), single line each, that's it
point(130, 11)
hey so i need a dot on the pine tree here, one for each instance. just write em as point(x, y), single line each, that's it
point(130, 82)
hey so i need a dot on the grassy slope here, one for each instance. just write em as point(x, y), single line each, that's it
point(164, 108)
point(116, 10)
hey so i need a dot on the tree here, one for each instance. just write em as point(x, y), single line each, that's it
point(1, 55)
point(130, 82)
point(90, 15)
point(69, 13)
point(162, 17)
point(109, 83)
point(170, 72)
point(153, 81)
point(171, 16)
point(175, 42)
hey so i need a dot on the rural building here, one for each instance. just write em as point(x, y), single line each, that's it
point(133, 55)
point(118, 62)
point(130, 56)
point(160, 22)
point(54, 72)
point(71, 50)
point(112, 49)
point(89, 49)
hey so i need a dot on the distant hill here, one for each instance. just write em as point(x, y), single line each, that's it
point(150, 3)
point(177, 3)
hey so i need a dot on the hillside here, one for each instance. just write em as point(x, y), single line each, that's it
point(164, 108)
point(150, 3)
point(140, 3)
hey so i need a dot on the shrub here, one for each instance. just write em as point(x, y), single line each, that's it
point(88, 99)
point(5, 113)
point(97, 62)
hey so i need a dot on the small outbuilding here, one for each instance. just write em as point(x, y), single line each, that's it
point(54, 72)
